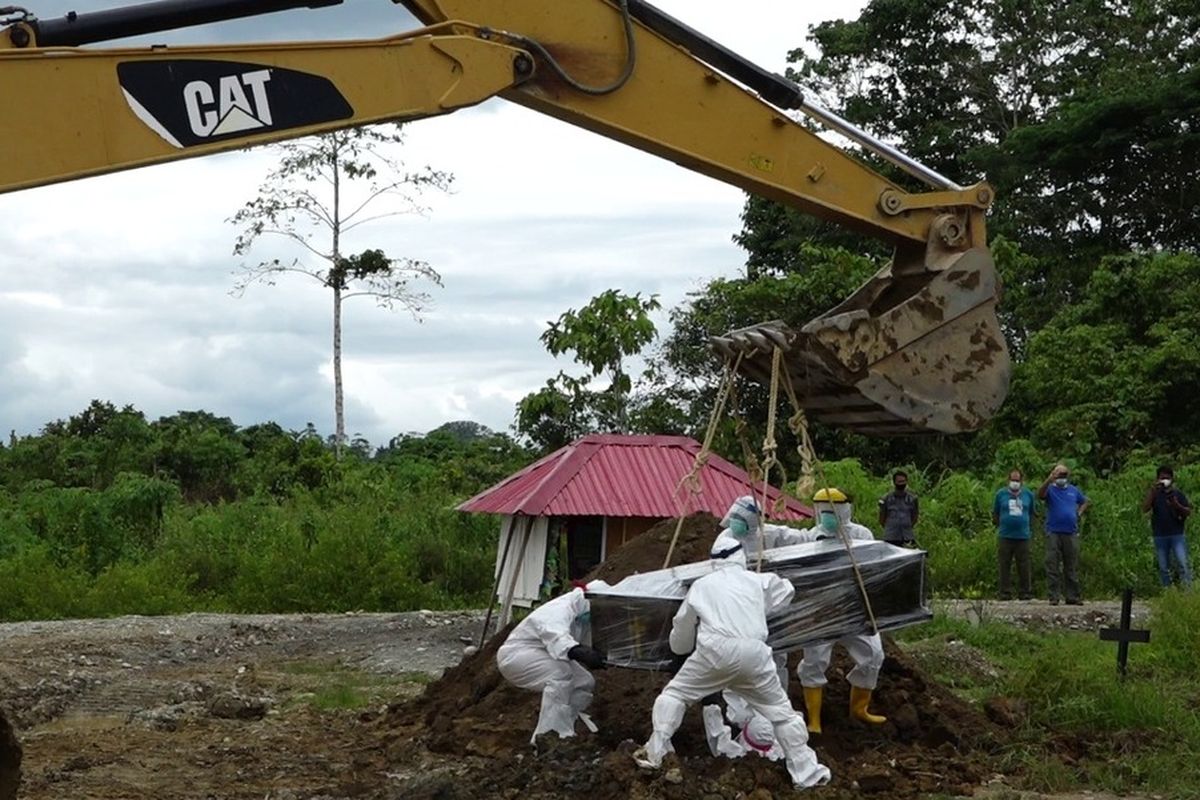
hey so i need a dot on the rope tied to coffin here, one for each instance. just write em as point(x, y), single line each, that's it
point(811, 471)
point(691, 481)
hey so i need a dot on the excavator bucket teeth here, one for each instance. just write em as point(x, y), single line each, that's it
point(917, 353)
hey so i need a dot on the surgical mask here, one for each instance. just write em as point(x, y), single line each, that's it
point(1166, 483)
point(1014, 485)
point(1060, 482)
point(829, 521)
point(739, 528)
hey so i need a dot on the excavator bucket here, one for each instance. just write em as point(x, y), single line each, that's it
point(918, 352)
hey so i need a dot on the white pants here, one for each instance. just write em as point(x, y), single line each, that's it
point(566, 686)
point(746, 667)
point(866, 652)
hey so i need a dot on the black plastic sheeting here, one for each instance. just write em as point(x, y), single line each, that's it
point(631, 621)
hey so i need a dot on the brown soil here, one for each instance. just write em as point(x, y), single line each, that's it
point(932, 742)
point(10, 760)
point(141, 708)
point(646, 552)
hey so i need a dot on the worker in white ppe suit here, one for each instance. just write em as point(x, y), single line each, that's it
point(543, 653)
point(833, 511)
point(755, 732)
point(744, 523)
point(722, 622)
point(756, 735)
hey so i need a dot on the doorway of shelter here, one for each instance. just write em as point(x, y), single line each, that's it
point(585, 545)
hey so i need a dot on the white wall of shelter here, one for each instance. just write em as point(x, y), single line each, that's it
point(525, 562)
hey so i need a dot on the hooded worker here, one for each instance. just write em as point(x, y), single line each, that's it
point(544, 653)
point(722, 623)
point(754, 733)
point(744, 523)
point(834, 509)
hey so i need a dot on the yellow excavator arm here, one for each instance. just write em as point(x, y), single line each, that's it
point(917, 348)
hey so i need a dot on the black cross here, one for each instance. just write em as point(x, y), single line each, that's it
point(1124, 634)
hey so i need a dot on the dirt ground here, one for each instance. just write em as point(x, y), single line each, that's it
point(216, 706)
point(309, 708)
point(326, 707)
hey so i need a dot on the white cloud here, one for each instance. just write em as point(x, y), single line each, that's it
point(118, 287)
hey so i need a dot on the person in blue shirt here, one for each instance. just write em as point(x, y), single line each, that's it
point(1011, 513)
point(1169, 509)
point(1065, 505)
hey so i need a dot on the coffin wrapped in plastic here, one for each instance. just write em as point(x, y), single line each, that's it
point(631, 620)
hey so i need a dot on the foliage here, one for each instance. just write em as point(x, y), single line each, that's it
point(1083, 115)
point(1117, 370)
point(1078, 111)
point(297, 531)
point(293, 204)
point(290, 529)
point(600, 336)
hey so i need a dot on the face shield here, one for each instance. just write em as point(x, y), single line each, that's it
point(742, 519)
point(831, 515)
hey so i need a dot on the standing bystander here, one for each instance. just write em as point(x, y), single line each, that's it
point(1065, 505)
point(898, 513)
point(1011, 513)
point(1169, 509)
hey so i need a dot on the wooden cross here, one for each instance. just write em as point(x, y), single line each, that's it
point(1123, 635)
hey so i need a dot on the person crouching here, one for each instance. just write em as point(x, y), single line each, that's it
point(543, 654)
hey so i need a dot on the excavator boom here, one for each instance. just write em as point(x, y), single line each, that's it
point(917, 348)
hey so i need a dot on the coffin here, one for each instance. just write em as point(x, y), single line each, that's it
point(631, 620)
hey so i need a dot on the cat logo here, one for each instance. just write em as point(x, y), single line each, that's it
point(237, 103)
point(194, 102)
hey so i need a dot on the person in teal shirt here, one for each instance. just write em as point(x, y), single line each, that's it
point(1012, 511)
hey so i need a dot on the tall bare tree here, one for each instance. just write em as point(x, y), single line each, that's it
point(322, 189)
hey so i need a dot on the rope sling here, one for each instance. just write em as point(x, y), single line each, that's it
point(811, 470)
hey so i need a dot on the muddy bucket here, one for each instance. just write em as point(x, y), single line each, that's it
point(918, 352)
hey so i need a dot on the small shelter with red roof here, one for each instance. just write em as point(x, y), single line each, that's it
point(595, 494)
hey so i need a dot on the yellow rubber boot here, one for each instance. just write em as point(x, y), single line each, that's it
point(859, 700)
point(812, 702)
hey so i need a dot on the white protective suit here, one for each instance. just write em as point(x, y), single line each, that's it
point(535, 657)
point(723, 624)
point(865, 650)
point(757, 734)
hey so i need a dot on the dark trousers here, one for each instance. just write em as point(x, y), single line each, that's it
point(1018, 549)
point(1064, 547)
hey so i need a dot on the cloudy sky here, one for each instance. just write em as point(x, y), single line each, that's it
point(118, 287)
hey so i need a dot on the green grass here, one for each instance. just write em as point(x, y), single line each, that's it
point(328, 686)
point(340, 696)
point(1086, 729)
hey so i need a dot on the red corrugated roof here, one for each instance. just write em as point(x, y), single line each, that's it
point(621, 476)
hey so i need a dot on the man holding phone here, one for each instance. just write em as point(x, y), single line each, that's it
point(1169, 509)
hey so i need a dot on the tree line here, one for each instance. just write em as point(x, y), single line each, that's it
point(1084, 116)
point(108, 512)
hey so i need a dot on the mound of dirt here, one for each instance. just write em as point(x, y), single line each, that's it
point(932, 741)
point(646, 552)
point(10, 760)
